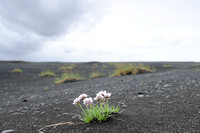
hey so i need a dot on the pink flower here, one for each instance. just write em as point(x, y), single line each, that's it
point(87, 101)
point(102, 93)
point(98, 97)
point(76, 101)
point(82, 97)
point(107, 95)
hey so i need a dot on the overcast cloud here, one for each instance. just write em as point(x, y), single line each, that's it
point(92, 30)
point(26, 25)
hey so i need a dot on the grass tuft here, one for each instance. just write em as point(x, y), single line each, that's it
point(197, 69)
point(196, 64)
point(46, 88)
point(129, 69)
point(47, 73)
point(70, 67)
point(96, 75)
point(167, 66)
point(68, 77)
point(17, 70)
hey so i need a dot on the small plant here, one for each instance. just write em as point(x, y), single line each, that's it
point(96, 112)
point(46, 89)
point(142, 82)
point(47, 73)
point(104, 66)
point(96, 75)
point(17, 70)
point(123, 69)
point(196, 64)
point(197, 69)
point(1, 92)
point(70, 67)
point(167, 66)
point(67, 77)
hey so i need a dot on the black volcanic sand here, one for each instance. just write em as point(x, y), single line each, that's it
point(167, 100)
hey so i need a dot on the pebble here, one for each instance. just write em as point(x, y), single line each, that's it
point(167, 96)
point(166, 85)
point(147, 96)
point(157, 85)
point(8, 131)
point(65, 113)
point(140, 95)
point(159, 102)
point(56, 108)
point(35, 112)
point(124, 105)
point(15, 113)
point(75, 116)
point(43, 112)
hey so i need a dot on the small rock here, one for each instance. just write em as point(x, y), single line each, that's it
point(23, 111)
point(124, 105)
point(147, 96)
point(35, 126)
point(35, 112)
point(159, 91)
point(159, 102)
point(140, 95)
point(41, 132)
point(166, 85)
point(15, 113)
point(43, 112)
point(56, 108)
point(26, 108)
point(8, 131)
point(65, 113)
point(157, 85)
point(75, 116)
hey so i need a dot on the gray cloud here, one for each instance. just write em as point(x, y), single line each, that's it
point(46, 18)
point(34, 21)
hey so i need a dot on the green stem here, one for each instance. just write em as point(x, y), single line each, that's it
point(107, 102)
point(101, 104)
point(90, 106)
point(81, 108)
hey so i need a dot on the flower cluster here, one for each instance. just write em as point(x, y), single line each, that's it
point(101, 95)
point(88, 101)
point(96, 112)
point(79, 99)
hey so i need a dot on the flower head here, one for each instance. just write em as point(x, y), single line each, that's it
point(87, 101)
point(76, 101)
point(107, 95)
point(98, 97)
point(101, 94)
point(82, 97)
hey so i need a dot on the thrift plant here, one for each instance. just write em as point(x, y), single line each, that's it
point(100, 111)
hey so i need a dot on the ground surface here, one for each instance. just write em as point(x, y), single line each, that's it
point(167, 100)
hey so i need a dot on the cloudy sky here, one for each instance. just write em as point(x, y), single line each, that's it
point(100, 30)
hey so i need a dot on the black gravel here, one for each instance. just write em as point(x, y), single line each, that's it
point(167, 100)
